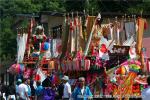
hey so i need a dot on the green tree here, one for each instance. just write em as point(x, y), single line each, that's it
point(8, 11)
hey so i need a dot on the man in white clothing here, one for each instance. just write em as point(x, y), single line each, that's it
point(146, 92)
point(23, 91)
point(67, 88)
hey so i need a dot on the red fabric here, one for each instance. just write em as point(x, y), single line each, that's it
point(75, 21)
point(71, 26)
point(103, 48)
point(32, 23)
point(34, 38)
point(145, 25)
point(37, 77)
point(44, 38)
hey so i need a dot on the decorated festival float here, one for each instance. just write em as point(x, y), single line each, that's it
point(109, 55)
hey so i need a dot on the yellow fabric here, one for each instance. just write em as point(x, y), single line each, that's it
point(89, 25)
point(141, 22)
point(140, 35)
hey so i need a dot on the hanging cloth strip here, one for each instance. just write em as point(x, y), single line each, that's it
point(111, 32)
point(122, 33)
point(115, 33)
point(65, 39)
point(130, 29)
point(81, 37)
point(90, 23)
point(21, 41)
point(72, 36)
point(141, 22)
point(54, 52)
point(89, 39)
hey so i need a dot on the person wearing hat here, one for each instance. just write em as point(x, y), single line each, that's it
point(146, 91)
point(67, 88)
point(19, 81)
point(81, 92)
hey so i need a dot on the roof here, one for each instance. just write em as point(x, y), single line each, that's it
point(104, 14)
point(27, 15)
point(60, 14)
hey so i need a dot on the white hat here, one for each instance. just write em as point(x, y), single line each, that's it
point(39, 27)
point(81, 79)
point(19, 80)
point(66, 78)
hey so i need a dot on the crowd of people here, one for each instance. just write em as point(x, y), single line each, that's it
point(26, 89)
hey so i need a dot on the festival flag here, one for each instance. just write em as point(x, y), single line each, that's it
point(65, 42)
point(76, 32)
point(80, 27)
point(140, 32)
point(40, 76)
point(140, 35)
point(89, 40)
point(111, 31)
point(72, 37)
point(81, 37)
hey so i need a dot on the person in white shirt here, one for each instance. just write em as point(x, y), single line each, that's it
point(146, 91)
point(67, 88)
point(23, 91)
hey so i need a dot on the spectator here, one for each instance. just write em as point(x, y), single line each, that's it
point(81, 91)
point(47, 81)
point(32, 89)
point(146, 91)
point(38, 91)
point(67, 88)
point(19, 81)
point(11, 92)
point(23, 91)
point(29, 88)
point(60, 89)
point(48, 93)
point(4, 90)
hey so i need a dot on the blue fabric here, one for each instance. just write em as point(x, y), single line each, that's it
point(39, 90)
point(29, 91)
point(77, 95)
point(21, 68)
point(48, 94)
point(46, 46)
